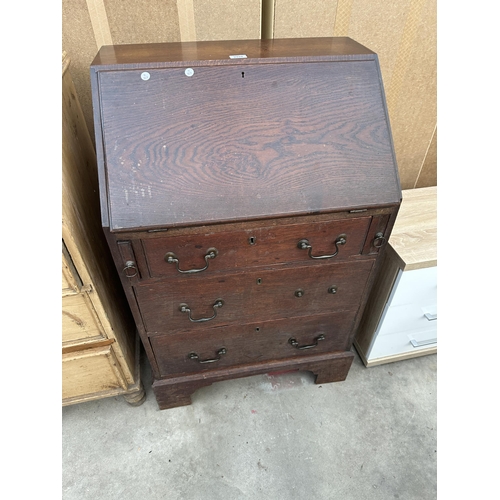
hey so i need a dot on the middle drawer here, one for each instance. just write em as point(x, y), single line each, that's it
point(257, 295)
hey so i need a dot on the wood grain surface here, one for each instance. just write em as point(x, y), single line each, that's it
point(256, 247)
point(177, 53)
point(251, 343)
point(248, 156)
point(246, 299)
point(414, 236)
point(244, 142)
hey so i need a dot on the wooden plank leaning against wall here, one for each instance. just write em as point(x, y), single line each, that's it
point(403, 33)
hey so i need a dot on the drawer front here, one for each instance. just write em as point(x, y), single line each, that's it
point(400, 343)
point(90, 371)
point(411, 314)
point(255, 247)
point(79, 319)
point(414, 297)
point(179, 353)
point(264, 295)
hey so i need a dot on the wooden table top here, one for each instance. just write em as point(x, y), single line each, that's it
point(414, 236)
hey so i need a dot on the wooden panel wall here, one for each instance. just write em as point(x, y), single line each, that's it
point(402, 32)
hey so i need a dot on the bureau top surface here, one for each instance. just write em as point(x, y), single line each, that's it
point(187, 135)
point(155, 54)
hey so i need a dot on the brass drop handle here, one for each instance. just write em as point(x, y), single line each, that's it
point(184, 308)
point(130, 265)
point(304, 245)
point(219, 353)
point(171, 258)
point(295, 344)
point(379, 240)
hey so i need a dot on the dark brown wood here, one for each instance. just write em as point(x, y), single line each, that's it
point(248, 156)
point(256, 247)
point(253, 224)
point(176, 391)
point(251, 343)
point(270, 51)
point(246, 298)
point(246, 144)
point(383, 283)
point(377, 226)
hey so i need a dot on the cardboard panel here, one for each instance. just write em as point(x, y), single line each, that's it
point(299, 19)
point(413, 106)
point(412, 96)
point(143, 21)
point(428, 173)
point(227, 20)
point(379, 26)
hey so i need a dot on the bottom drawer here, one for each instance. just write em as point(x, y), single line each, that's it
point(90, 371)
point(180, 353)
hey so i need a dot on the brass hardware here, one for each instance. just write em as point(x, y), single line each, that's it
point(252, 240)
point(130, 265)
point(379, 236)
point(299, 292)
point(259, 281)
point(332, 289)
point(171, 258)
point(184, 308)
point(295, 344)
point(219, 353)
point(304, 245)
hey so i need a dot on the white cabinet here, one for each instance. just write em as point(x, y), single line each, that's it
point(400, 321)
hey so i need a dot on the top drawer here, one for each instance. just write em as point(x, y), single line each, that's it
point(222, 251)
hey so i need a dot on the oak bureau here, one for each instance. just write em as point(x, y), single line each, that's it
point(247, 191)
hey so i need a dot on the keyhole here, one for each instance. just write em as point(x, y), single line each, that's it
point(251, 240)
point(242, 74)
